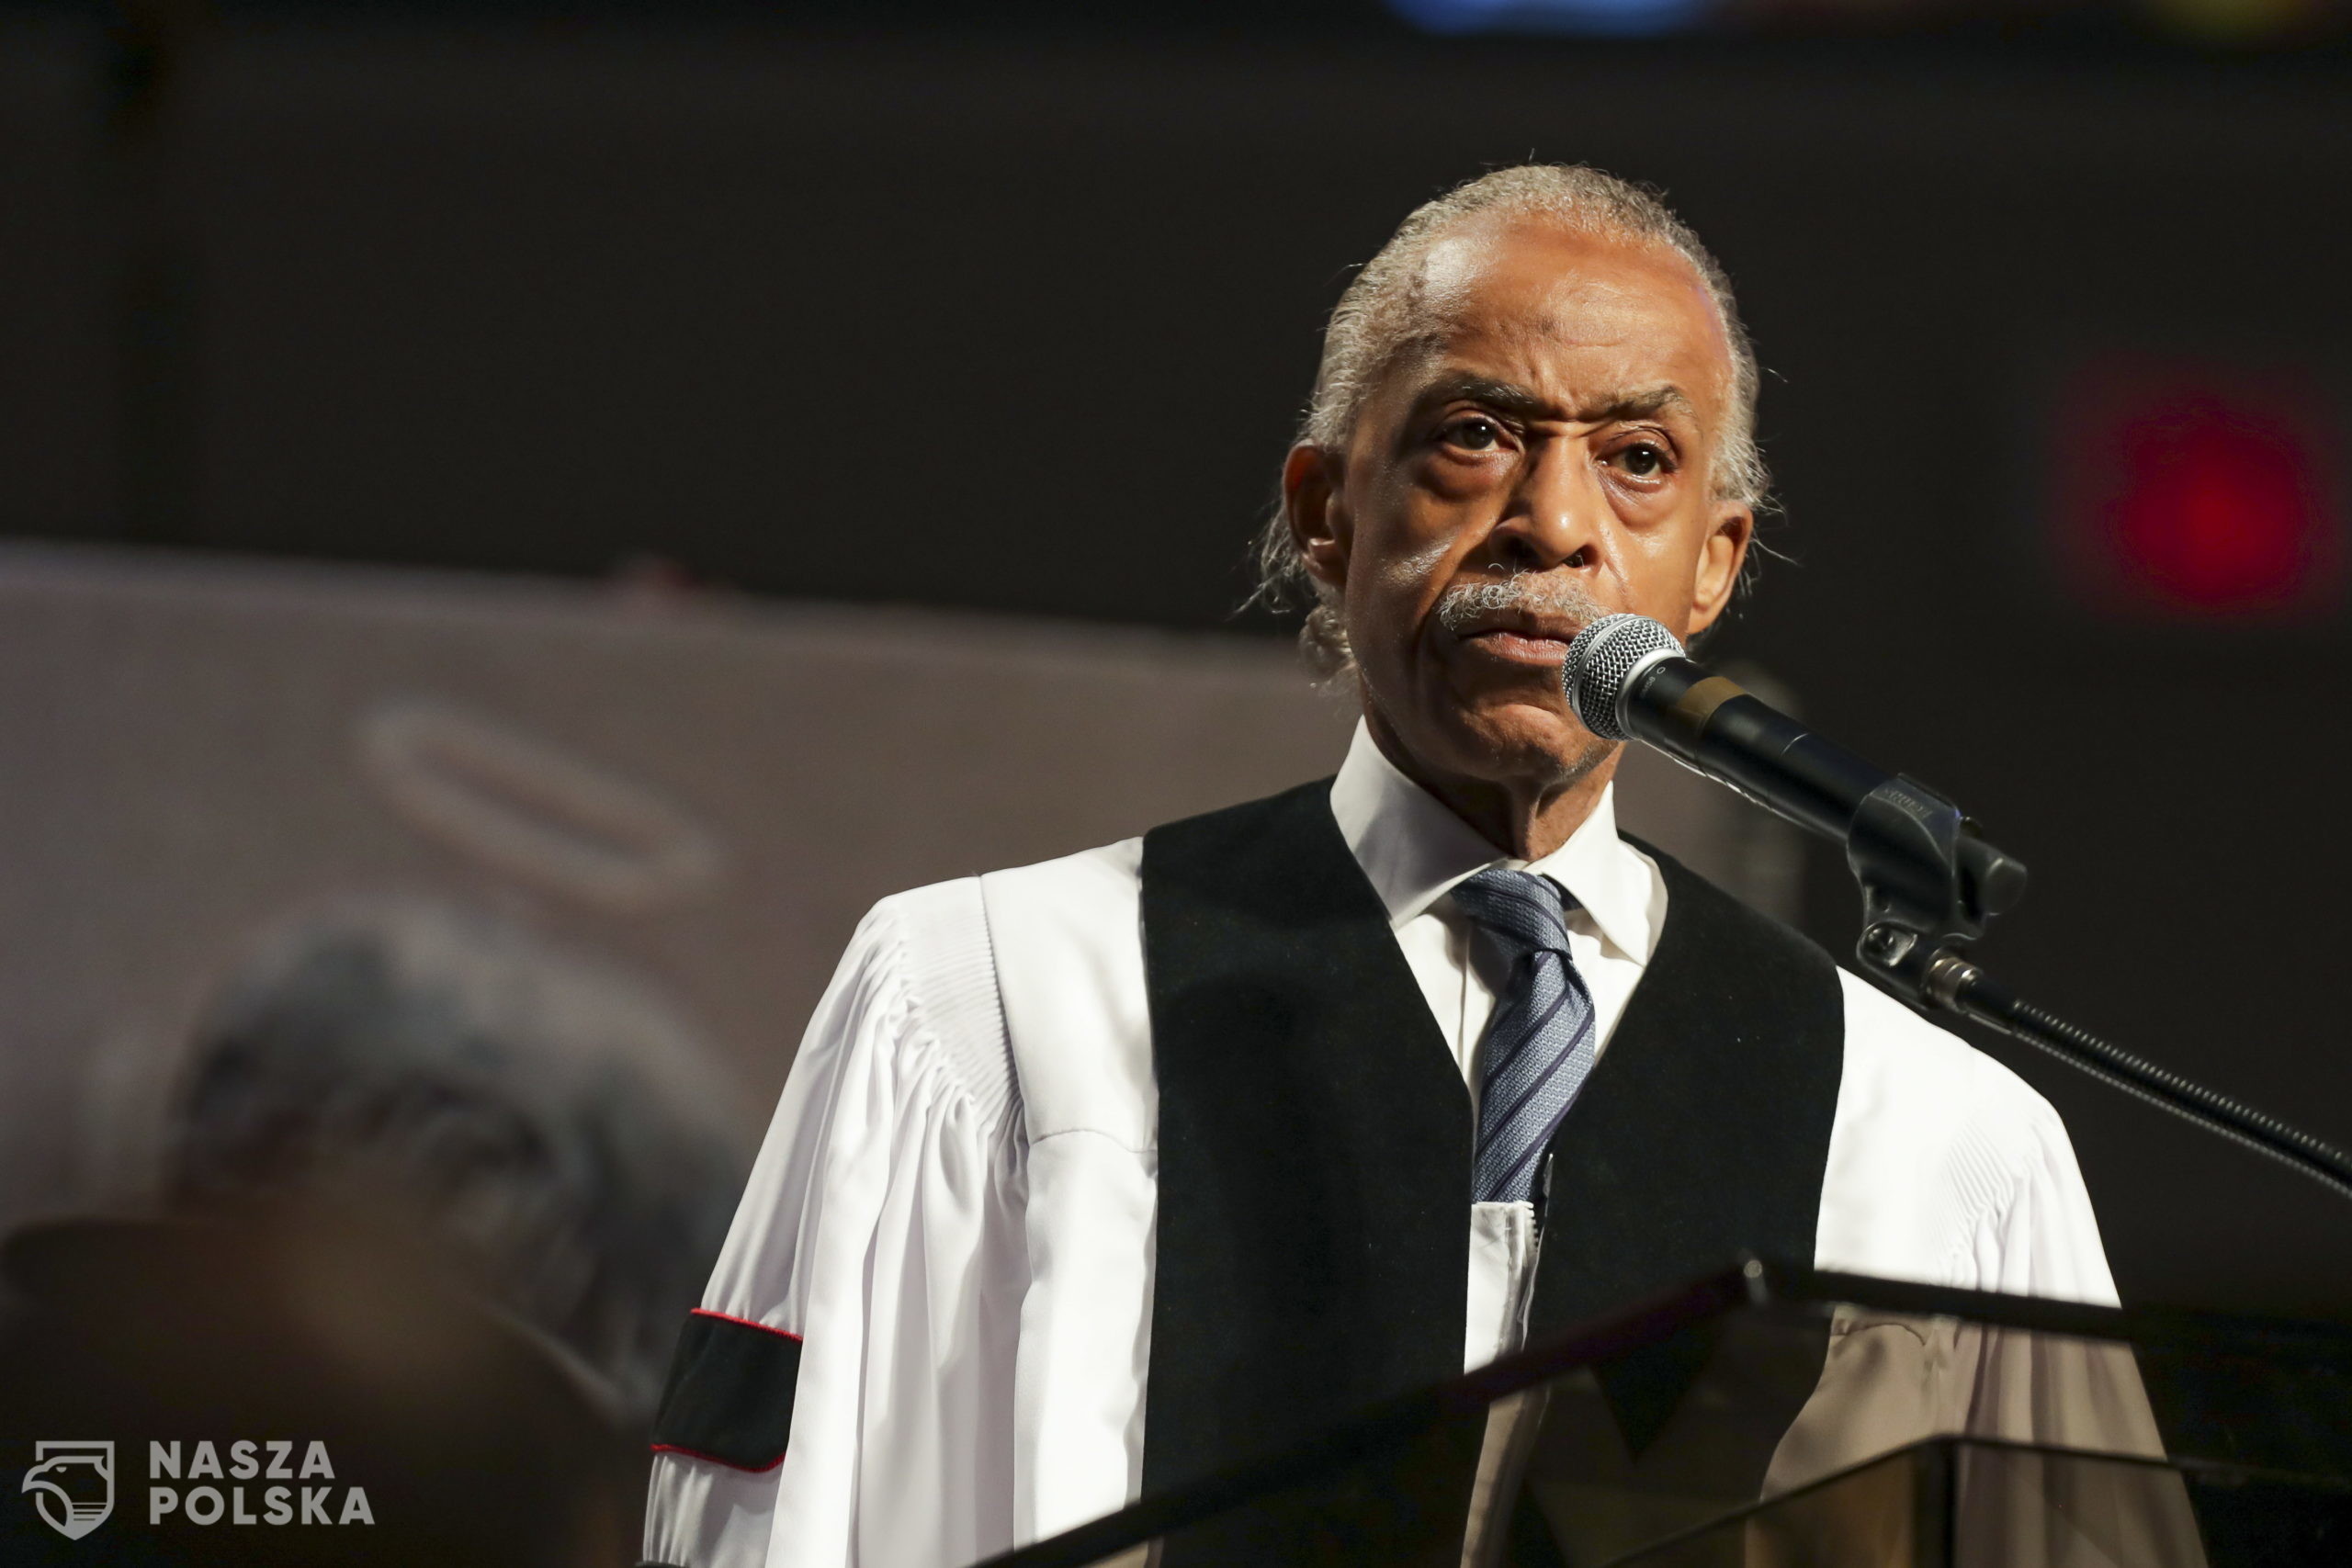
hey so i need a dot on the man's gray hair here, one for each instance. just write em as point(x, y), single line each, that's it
point(1377, 319)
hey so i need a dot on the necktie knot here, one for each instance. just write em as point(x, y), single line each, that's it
point(1527, 912)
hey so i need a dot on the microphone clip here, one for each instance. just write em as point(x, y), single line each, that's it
point(1930, 882)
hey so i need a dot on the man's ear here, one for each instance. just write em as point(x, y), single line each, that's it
point(1316, 516)
point(1730, 533)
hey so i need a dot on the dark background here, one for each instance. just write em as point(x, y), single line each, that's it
point(1013, 312)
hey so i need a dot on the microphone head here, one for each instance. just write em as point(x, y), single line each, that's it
point(1601, 664)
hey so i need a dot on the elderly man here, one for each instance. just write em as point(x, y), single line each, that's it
point(1095, 1176)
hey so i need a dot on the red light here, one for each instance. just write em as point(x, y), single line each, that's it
point(2198, 490)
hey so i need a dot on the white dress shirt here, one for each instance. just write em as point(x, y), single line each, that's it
point(954, 1205)
point(1413, 851)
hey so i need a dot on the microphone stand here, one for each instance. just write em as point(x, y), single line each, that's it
point(1931, 884)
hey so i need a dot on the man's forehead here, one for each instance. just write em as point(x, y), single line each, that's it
point(1539, 305)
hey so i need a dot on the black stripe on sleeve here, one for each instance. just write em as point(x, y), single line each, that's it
point(730, 1395)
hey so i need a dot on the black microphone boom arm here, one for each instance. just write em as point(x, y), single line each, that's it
point(1929, 881)
point(1928, 877)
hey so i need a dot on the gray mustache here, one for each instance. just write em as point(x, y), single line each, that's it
point(1466, 606)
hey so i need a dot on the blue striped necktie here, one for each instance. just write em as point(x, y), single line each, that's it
point(1541, 1042)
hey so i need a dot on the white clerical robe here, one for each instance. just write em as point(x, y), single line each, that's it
point(953, 1209)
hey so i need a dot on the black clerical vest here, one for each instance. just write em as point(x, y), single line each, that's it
point(1315, 1132)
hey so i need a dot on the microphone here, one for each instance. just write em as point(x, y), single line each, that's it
point(1629, 678)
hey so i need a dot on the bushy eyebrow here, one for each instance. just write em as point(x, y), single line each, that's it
point(1521, 403)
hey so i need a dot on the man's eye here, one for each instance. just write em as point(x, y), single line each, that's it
point(1643, 460)
point(1473, 434)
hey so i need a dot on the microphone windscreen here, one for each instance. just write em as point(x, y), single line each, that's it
point(1602, 663)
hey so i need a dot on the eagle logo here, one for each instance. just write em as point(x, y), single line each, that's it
point(73, 1485)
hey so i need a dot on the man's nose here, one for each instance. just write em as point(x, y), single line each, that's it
point(1553, 518)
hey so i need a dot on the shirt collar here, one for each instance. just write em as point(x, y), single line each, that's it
point(1413, 849)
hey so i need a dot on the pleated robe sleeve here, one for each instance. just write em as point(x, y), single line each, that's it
point(882, 1231)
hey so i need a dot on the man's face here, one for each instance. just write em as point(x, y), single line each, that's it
point(1555, 436)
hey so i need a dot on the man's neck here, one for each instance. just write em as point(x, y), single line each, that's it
point(1524, 818)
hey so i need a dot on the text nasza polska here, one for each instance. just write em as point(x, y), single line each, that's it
point(267, 1460)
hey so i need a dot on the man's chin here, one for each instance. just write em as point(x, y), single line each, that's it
point(1525, 741)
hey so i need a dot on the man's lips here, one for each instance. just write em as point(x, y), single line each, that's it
point(1520, 647)
point(1523, 642)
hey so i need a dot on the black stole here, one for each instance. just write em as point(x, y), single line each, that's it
point(1315, 1134)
